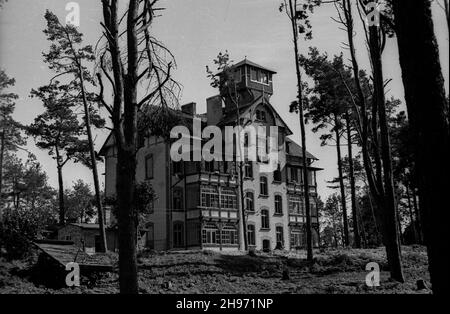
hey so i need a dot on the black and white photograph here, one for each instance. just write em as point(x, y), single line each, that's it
point(224, 154)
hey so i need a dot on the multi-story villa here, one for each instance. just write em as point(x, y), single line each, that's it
point(198, 202)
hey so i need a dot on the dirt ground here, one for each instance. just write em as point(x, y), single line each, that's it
point(333, 272)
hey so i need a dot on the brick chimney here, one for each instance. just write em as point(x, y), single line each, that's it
point(189, 108)
point(214, 111)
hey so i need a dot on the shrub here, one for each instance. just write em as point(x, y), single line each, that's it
point(17, 229)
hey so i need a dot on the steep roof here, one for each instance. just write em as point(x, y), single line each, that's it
point(296, 150)
point(253, 64)
point(230, 116)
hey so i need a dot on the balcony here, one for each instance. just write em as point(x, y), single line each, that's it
point(298, 188)
point(213, 177)
point(213, 213)
point(301, 219)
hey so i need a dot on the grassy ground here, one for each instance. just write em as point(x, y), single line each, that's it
point(333, 271)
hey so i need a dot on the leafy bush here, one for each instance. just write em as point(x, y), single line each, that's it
point(18, 228)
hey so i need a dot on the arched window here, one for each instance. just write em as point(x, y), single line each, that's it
point(279, 235)
point(178, 237)
point(251, 234)
point(278, 205)
point(263, 188)
point(150, 236)
point(265, 223)
point(277, 174)
point(248, 169)
point(249, 201)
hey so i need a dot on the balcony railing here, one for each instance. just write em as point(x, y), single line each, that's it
point(299, 188)
point(212, 212)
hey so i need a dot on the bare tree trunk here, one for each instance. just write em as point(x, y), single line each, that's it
point(242, 199)
point(125, 184)
point(447, 15)
point(411, 215)
point(417, 213)
point(374, 186)
point(2, 152)
point(125, 126)
point(341, 183)
point(62, 211)
point(309, 251)
point(426, 103)
point(357, 237)
point(98, 200)
point(389, 211)
point(59, 167)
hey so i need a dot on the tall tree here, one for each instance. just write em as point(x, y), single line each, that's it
point(138, 62)
point(331, 217)
point(427, 112)
point(58, 131)
point(371, 125)
point(328, 107)
point(27, 184)
point(300, 24)
point(227, 85)
point(67, 57)
point(377, 39)
point(80, 201)
point(10, 135)
point(351, 178)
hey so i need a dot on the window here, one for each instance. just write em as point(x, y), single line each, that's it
point(149, 167)
point(229, 235)
point(278, 205)
point(263, 115)
point(141, 139)
point(248, 169)
point(151, 207)
point(265, 219)
point(209, 197)
point(209, 166)
point(263, 189)
point(177, 167)
point(150, 236)
point(279, 235)
point(264, 78)
point(178, 198)
point(277, 174)
point(237, 75)
point(68, 238)
point(266, 245)
point(296, 205)
point(178, 234)
point(251, 235)
point(253, 74)
point(210, 234)
point(228, 198)
point(260, 76)
point(249, 202)
point(312, 209)
point(294, 174)
point(296, 238)
point(246, 140)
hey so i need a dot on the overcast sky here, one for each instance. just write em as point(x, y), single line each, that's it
point(195, 31)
